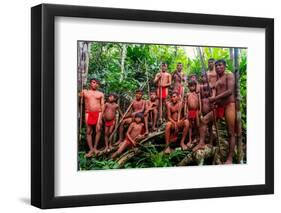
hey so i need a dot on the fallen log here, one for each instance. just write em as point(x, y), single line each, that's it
point(121, 161)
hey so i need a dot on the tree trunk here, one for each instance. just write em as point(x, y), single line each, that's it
point(83, 63)
point(231, 56)
point(238, 112)
point(201, 58)
point(122, 64)
point(82, 67)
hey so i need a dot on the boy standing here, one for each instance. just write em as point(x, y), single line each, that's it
point(109, 115)
point(151, 111)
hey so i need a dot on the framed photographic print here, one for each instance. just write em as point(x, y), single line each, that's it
point(140, 106)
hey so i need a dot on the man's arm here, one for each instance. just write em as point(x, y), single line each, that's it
point(102, 108)
point(102, 103)
point(157, 77)
point(82, 93)
point(105, 106)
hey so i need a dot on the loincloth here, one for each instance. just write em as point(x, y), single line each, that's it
point(92, 117)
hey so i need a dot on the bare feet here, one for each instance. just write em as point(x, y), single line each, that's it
point(117, 143)
point(183, 146)
point(189, 145)
point(198, 146)
point(167, 150)
point(91, 153)
point(229, 161)
point(105, 149)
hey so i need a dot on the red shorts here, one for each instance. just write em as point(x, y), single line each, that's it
point(109, 123)
point(192, 114)
point(220, 112)
point(163, 92)
point(92, 118)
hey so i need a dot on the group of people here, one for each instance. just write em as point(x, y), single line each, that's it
point(192, 112)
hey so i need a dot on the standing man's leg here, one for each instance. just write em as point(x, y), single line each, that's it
point(111, 129)
point(203, 130)
point(230, 120)
point(146, 123)
point(184, 133)
point(89, 140)
point(154, 116)
point(97, 138)
point(106, 139)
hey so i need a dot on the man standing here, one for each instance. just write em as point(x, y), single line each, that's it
point(224, 99)
point(94, 107)
point(178, 79)
point(211, 73)
point(163, 79)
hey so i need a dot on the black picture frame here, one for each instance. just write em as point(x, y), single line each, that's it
point(43, 102)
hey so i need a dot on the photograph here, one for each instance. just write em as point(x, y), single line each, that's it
point(171, 105)
point(142, 105)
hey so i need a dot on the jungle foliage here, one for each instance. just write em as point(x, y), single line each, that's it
point(122, 68)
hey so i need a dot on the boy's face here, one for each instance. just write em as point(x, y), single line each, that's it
point(138, 95)
point(137, 119)
point(164, 67)
point(220, 68)
point(205, 92)
point(193, 78)
point(174, 98)
point(211, 64)
point(153, 96)
point(179, 67)
point(192, 87)
point(111, 98)
point(204, 79)
point(94, 85)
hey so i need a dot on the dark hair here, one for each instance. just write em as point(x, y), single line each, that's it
point(114, 95)
point(192, 83)
point(139, 115)
point(95, 79)
point(175, 92)
point(220, 61)
point(191, 75)
point(211, 59)
point(164, 62)
point(139, 91)
point(204, 75)
point(152, 91)
point(179, 63)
